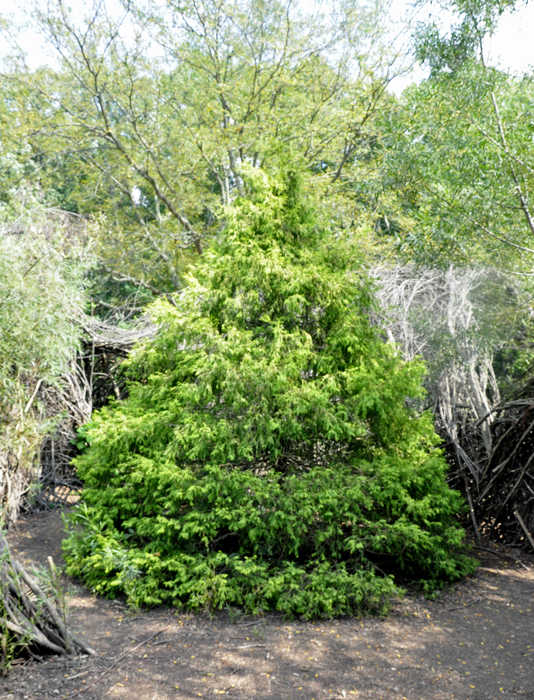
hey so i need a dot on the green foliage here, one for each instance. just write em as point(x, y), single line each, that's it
point(265, 457)
point(41, 288)
point(458, 158)
point(151, 110)
point(446, 52)
point(43, 257)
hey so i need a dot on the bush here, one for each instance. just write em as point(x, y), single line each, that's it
point(43, 258)
point(266, 456)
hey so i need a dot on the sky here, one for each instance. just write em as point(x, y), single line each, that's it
point(511, 47)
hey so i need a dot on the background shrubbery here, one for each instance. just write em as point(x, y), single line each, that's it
point(43, 259)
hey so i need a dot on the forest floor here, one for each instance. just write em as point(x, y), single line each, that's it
point(476, 642)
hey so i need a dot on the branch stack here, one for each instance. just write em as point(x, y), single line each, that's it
point(451, 319)
point(32, 621)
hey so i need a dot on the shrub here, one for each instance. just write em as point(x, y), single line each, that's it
point(266, 456)
point(43, 258)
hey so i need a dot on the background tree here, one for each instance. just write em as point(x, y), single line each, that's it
point(459, 159)
point(161, 106)
point(457, 151)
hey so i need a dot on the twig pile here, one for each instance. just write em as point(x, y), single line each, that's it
point(503, 493)
point(111, 338)
point(31, 621)
point(446, 318)
point(70, 405)
point(105, 347)
point(94, 376)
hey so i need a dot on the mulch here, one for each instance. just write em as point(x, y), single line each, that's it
point(473, 643)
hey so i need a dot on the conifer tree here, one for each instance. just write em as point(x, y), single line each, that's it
point(267, 455)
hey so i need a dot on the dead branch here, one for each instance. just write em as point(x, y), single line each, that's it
point(524, 528)
point(32, 620)
point(489, 441)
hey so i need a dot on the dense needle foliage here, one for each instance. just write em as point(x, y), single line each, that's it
point(267, 456)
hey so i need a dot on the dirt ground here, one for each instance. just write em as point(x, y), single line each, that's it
point(475, 643)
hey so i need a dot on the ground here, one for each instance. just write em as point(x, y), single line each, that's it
point(475, 643)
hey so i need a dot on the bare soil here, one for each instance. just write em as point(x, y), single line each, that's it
point(475, 643)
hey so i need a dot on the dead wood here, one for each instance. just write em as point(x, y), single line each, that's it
point(32, 621)
point(489, 441)
point(108, 337)
point(47, 478)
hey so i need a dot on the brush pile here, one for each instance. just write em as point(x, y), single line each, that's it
point(32, 613)
point(455, 319)
point(502, 490)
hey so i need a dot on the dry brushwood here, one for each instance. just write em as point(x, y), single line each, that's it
point(490, 443)
point(32, 622)
point(436, 315)
point(93, 378)
point(107, 337)
point(70, 405)
point(105, 347)
point(503, 496)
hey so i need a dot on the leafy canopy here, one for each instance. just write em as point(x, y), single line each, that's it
point(458, 157)
point(265, 456)
point(152, 108)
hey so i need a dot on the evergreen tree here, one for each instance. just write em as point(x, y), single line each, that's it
point(267, 455)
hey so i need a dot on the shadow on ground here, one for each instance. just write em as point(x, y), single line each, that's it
point(475, 643)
